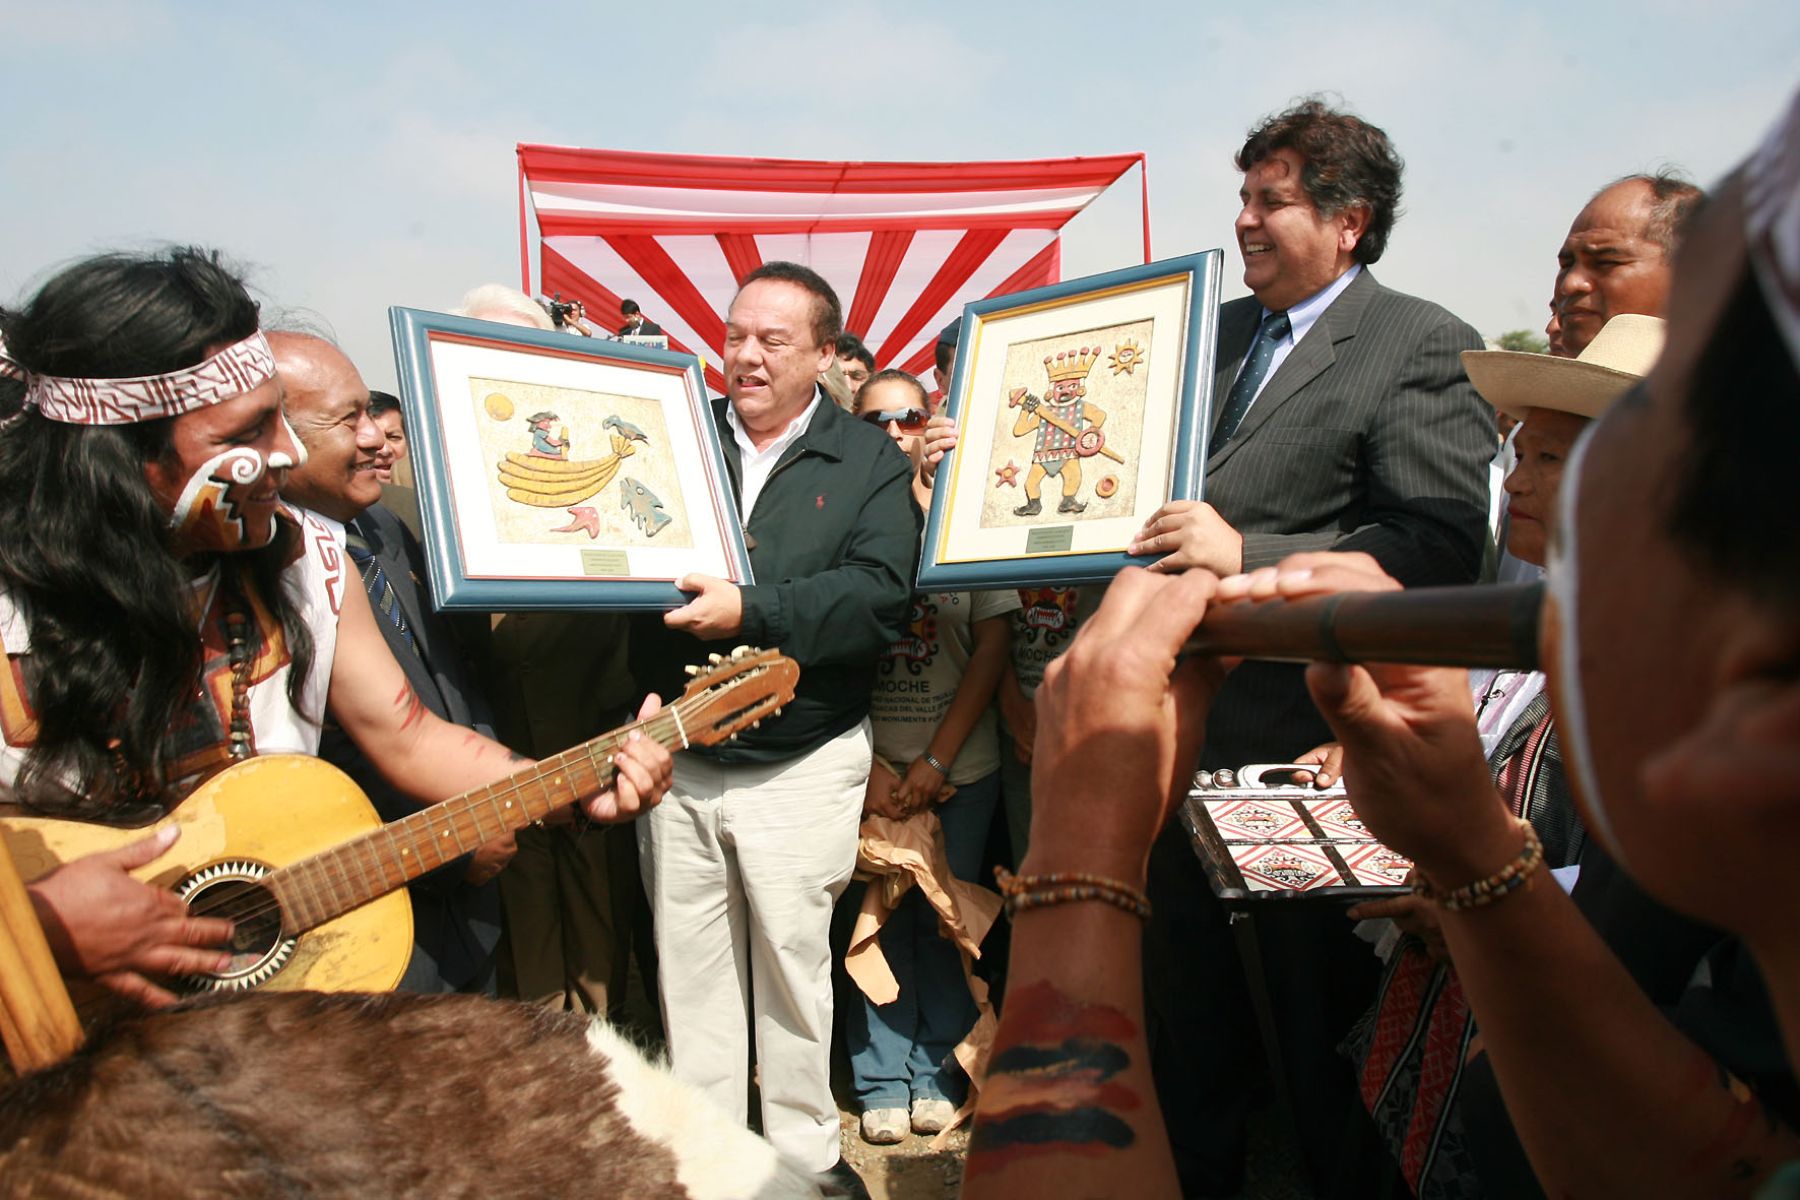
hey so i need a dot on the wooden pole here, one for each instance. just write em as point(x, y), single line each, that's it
point(1493, 625)
point(37, 1021)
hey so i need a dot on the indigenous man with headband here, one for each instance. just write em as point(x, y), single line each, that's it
point(162, 615)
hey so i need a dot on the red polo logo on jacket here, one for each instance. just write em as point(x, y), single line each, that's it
point(819, 502)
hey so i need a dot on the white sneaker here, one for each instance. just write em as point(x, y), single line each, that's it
point(930, 1116)
point(884, 1126)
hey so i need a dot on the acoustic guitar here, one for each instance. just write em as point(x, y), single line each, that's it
point(288, 848)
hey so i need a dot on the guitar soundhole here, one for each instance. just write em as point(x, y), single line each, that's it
point(258, 947)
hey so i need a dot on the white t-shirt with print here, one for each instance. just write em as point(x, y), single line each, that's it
point(919, 676)
point(1045, 624)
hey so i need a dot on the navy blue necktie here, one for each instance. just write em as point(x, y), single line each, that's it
point(375, 581)
point(1274, 328)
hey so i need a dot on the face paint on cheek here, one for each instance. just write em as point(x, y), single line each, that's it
point(1563, 586)
point(208, 514)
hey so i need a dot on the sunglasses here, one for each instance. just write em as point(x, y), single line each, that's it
point(910, 420)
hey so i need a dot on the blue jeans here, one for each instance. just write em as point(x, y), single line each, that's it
point(898, 1051)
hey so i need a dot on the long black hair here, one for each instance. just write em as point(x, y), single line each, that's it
point(85, 551)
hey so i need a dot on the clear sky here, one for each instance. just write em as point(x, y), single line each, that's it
point(360, 155)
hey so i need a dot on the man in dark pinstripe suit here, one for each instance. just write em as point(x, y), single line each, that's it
point(1342, 420)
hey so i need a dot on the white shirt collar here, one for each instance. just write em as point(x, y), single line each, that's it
point(795, 428)
point(1304, 315)
point(758, 465)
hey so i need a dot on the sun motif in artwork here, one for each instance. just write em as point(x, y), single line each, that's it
point(1126, 358)
point(1008, 475)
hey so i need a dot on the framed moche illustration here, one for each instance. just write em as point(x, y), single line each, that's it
point(1080, 410)
point(561, 472)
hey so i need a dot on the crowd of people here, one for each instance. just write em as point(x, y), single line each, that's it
point(1585, 991)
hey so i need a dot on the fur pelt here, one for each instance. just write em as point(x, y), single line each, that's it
point(313, 1094)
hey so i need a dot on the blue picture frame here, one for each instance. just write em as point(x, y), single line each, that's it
point(474, 563)
point(969, 542)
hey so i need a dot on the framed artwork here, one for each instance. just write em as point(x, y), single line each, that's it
point(1081, 409)
point(561, 472)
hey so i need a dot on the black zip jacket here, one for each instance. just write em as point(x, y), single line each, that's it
point(834, 546)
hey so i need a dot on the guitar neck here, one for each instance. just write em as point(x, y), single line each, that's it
point(330, 884)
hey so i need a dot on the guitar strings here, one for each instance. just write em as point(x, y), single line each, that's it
point(497, 791)
point(665, 721)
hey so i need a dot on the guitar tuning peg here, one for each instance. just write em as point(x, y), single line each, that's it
point(756, 724)
point(742, 652)
point(692, 670)
point(715, 659)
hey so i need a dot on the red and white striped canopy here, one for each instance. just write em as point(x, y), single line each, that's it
point(905, 245)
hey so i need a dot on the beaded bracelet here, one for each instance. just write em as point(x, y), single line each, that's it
point(1068, 887)
point(1501, 884)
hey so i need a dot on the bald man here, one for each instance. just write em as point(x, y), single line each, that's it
point(456, 908)
point(1617, 255)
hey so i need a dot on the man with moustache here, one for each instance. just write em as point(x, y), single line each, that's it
point(384, 409)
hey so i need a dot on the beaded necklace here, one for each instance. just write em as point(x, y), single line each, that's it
point(237, 640)
point(236, 625)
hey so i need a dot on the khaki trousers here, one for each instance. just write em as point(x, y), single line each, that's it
point(742, 864)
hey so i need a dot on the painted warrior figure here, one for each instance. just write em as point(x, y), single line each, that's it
point(1061, 420)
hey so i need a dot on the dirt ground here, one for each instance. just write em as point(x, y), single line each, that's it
point(910, 1170)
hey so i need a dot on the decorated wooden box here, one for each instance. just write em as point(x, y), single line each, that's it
point(1260, 836)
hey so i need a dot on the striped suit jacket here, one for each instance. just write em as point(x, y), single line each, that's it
point(1367, 437)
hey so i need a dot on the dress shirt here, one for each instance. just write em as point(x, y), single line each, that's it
point(1301, 318)
point(758, 463)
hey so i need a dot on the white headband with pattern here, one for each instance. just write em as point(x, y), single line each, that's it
point(239, 368)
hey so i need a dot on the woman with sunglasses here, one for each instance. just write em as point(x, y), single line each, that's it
point(899, 407)
point(933, 721)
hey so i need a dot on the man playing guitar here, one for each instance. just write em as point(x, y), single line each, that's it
point(162, 615)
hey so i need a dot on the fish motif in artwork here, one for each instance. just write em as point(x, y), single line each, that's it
point(645, 509)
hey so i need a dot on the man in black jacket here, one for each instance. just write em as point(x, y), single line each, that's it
point(757, 837)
